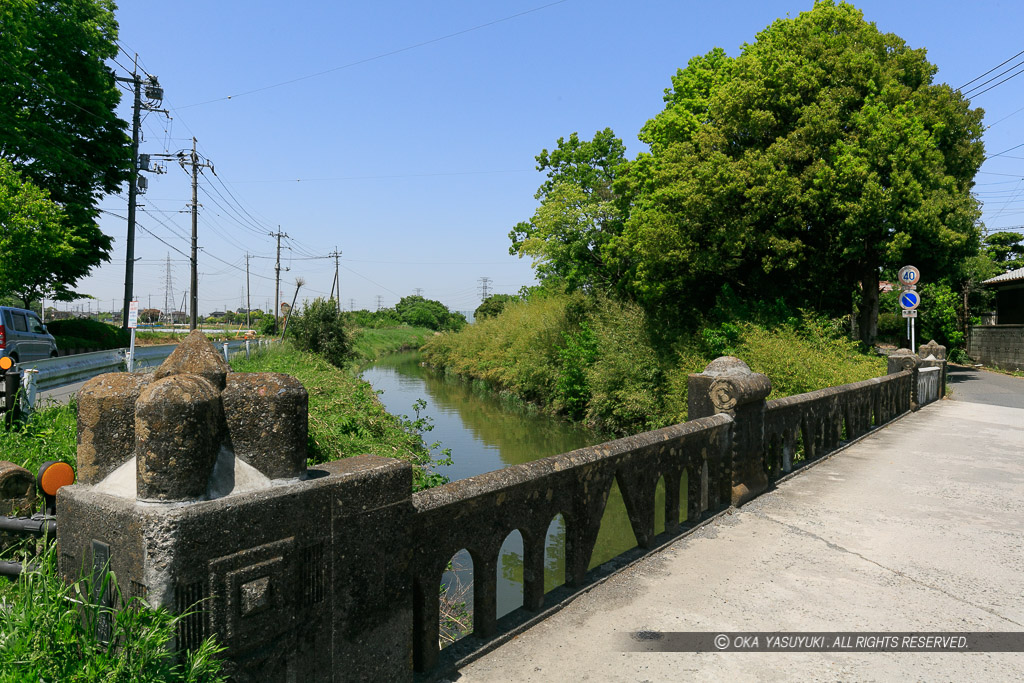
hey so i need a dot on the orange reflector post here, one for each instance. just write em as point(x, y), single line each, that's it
point(6, 363)
point(54, 476)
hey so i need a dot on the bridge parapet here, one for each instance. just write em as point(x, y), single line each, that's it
point(478, 513)
point(334, 573)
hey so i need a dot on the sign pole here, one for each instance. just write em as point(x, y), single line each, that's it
point(133, 322)
point(912, 347)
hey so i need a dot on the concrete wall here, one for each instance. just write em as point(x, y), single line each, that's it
point(1001, 346)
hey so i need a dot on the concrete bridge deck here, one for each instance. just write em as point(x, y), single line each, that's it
point(919, 527)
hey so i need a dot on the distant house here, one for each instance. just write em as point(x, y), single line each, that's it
point(1001, 344)
point(1009, 289)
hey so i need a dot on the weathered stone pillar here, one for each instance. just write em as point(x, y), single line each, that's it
point(728, 386)
point(905, 359)
point(106, 423)
point(301, 575)
point(933, 355)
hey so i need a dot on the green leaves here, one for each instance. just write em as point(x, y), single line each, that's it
point(58, 125)
point(571, 235)
point(819, 156)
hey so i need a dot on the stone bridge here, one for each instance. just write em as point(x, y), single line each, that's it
point(194, 490)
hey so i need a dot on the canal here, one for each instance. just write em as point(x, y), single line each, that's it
point(486, 432)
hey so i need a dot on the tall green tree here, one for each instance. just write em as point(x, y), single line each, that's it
point(58, 126)
point(1006, 249)
point(821, 155)
point(34, 240)
point(572, 233)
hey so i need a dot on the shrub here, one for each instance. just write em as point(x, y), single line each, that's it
point(493, 305)
point(626, 381)
point(578, 354)
point(86, 332)
point(319, 329)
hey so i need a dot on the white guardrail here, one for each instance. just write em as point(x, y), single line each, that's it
point(44, 375)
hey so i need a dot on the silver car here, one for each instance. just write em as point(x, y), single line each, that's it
point(23, 336)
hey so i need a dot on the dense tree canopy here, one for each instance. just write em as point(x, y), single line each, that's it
point(821, 155)
point(493, 305)
point(58, 126)
point(35, 241)
point(571, 233)
point(801, 169)
point(420, 312)
point(1006, 249)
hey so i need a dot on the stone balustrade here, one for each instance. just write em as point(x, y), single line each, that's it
point(194, 490)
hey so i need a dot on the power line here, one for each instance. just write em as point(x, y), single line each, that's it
point(991, 70)
point(1013, 75)
point(389, 177)
point(993, 156)
point(379, 56)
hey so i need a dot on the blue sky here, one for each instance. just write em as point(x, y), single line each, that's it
point(414, 153)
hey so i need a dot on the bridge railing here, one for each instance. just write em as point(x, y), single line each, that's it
point(801, 429)
point(339, 569)
point(478, 513)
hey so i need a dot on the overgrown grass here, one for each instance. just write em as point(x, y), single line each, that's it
point(48, 633)
point(49, 434)
point(594, 359)
point(370, 344)
point(345, 416)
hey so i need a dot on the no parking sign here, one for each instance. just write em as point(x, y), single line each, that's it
point(909, 300)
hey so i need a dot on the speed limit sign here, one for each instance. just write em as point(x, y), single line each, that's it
point(909, 276)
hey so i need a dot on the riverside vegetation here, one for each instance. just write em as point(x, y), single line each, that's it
point(599, 360)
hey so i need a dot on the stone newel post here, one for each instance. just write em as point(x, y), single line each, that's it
point(194, 491)
point(728, 386)
point(905, 359)
point(933, 355)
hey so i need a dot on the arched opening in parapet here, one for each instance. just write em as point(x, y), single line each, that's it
point(554, 553)
point(510, 573)
point(659, 507)
point(799, 450)
point(456, 596)
point(615, 536)
point(684, 496)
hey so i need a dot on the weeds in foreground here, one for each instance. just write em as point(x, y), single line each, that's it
point(456, 619)
point(49, 632)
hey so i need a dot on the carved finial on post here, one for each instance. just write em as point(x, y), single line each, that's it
point(905, 359)
point(932, 348)
point(727, 385)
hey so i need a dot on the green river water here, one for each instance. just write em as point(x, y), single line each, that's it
point(486, 433)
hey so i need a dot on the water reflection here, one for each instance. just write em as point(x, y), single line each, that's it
point(483, 431)
point(486, 433)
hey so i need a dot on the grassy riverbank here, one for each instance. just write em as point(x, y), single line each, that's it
point(369, 344)
point(596, 360)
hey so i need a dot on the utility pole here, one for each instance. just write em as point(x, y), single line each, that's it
point(247, 304)
point(277, 274)
point(337, 282)
point(194, 284)
point(154, 94)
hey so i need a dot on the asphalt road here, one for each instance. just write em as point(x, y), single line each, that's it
point(982, 386)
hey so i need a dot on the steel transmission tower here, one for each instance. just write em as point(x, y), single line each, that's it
point(169, 292)
point(485, 284)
